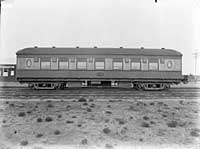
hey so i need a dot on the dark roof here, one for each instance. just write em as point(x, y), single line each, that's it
point(98, 51)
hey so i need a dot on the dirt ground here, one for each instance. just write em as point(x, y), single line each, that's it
point(89, 123)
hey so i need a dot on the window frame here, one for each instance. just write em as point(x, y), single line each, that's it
point(114, 66)
point(63, 59)
point(5, 70)
point(151, 61)
point(45, 68)
point(137, 63)
point(117, 60)
point(136, 60)
point(99, 60)
point(63, 68)
point(150, 68)
point(45, 59)
point(12, 73)
point(81, 60)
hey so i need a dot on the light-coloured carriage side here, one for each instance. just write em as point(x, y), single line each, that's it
point(65, 62)
point(146, 69)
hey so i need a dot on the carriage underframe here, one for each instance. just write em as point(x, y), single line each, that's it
point(105, 83)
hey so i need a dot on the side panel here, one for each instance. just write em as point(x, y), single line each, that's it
point(176, 65)
point(170, 65)
point(90, 63)
point(54, 63)
point(72, 63)
point(126, 63)
point(28, 63)
point(99, 74)
point(108, 64)
point(21, 63)
point(144, 64)
point(165, 63)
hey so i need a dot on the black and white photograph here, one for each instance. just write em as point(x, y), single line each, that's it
point(100, 74)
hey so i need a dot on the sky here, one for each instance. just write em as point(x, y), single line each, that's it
point(173, 24)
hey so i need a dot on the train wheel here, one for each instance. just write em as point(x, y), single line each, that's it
point(62, 86)
point(40, 86)
point(166, 86)
point(155, 86)
point(139, 86)
point(31, 86)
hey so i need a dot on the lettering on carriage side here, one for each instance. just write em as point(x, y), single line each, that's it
point(99, 74)
point(169, 64)
point(29, 63)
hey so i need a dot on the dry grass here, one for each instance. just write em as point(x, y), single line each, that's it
point(132, 122)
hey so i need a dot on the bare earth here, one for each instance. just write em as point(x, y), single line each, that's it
point(92, 123)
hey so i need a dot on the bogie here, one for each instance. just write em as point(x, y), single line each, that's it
point(43, 85)
point(151, 86)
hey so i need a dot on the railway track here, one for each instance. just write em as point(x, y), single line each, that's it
point(24, 93)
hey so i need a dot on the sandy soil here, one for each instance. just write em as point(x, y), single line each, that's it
point(88, 123)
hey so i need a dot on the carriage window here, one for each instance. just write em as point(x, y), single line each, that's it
point(12, 73)
point(0, 72)
point(81, 63)
point(135, 65)
point(5, 72)
point(63, 65)
point(117, 65)
point(153, 66)
point(99, 63)
point(153, 63)
point(45, 65)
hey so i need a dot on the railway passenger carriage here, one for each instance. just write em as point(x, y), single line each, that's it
point(50, 68)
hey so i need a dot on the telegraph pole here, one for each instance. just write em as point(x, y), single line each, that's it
point(196, 54)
